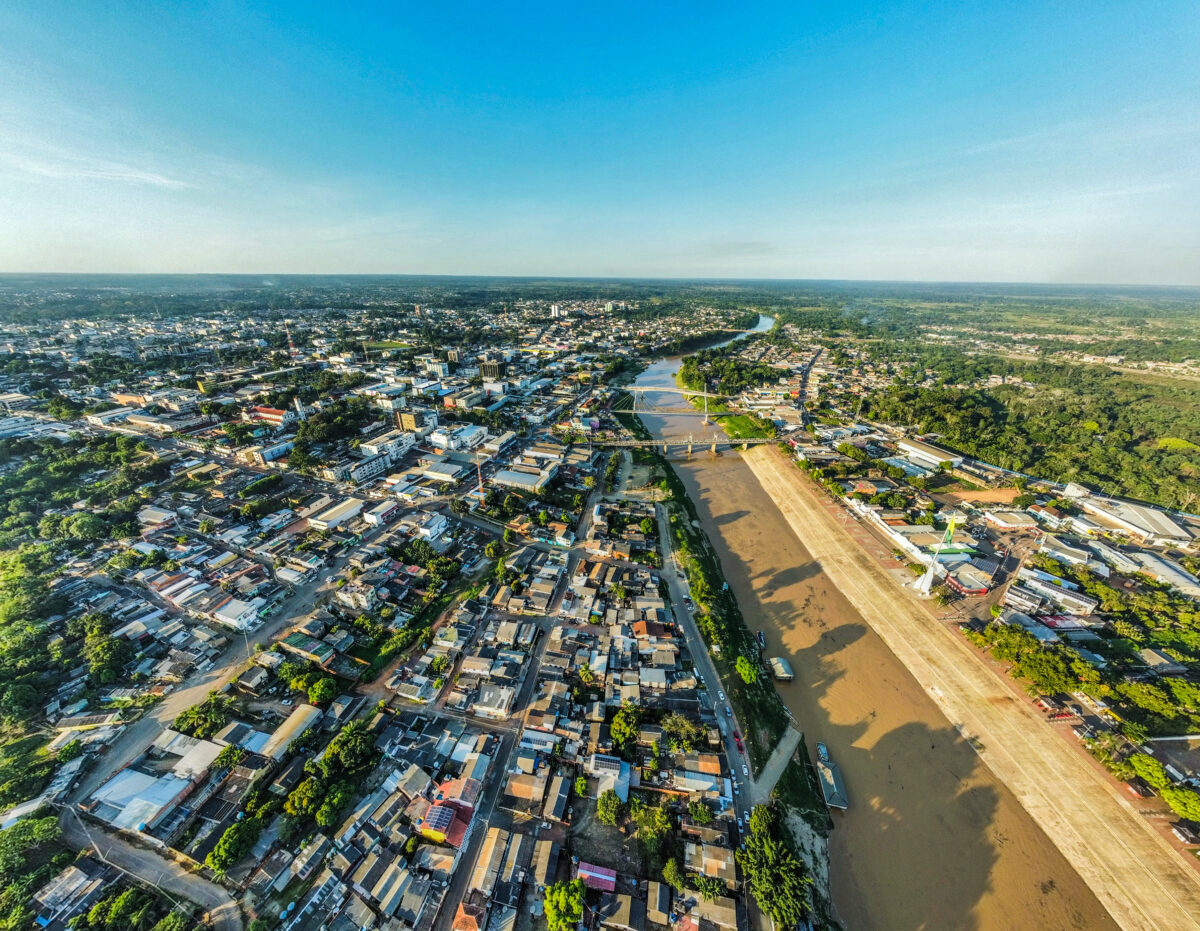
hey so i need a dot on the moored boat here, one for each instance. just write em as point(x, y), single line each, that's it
point(833, 787)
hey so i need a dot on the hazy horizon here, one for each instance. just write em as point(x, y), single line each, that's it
point(920, 143)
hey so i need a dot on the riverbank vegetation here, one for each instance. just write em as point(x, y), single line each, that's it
point(726, 632)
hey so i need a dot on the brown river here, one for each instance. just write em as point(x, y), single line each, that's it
point(932, 840)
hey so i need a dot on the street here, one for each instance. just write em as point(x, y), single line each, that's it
point(151, 868)
point(744, 793)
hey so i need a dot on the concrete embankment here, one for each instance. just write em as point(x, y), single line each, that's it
point(1065, 819)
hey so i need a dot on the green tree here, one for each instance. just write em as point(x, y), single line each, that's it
point(673, 875)
point(323, 690)
point(709, 887)
point(491, 550)
point(682, 734)
point(608, 807)
point(586, 676)
point(305, 798)
point(581, 786)
point(1151, 770)
point(747, 670)
point(206, 718)
point(180, 921)
point(234, 844)
point(653, 824)
point(776, 878)
point(229, 757)
point(24, 841)
point(564, 905)
point(699, 812)
point(1184, 802)
point(338, 797)
point(762, 819)
point(350, 752)
point(625, 726)
point(646, 525)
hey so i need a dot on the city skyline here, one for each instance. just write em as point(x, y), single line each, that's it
point(913, 143)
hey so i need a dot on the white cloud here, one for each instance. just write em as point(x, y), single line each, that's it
point(60, 165)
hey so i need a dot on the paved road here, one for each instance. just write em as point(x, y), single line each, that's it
point(151, 868)
point(698, 649)
point(1128, 864)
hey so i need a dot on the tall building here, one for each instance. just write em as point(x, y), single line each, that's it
point(410, 420)
point(491, 370)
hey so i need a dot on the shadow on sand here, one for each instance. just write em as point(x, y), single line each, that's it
point(917, 847)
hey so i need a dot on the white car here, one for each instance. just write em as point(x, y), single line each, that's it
point(745, 771)
point(721, 694)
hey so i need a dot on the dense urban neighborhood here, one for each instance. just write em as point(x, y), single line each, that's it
point(383, 612)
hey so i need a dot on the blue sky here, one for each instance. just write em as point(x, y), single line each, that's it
point(937, 141)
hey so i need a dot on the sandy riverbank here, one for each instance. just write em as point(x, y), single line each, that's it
point(1032, 776)
point(932, 840)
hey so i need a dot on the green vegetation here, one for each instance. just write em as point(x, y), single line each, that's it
point(564, 905)
point(681, 734)
point(709, 887)
point(609, 808)
point(747, 669)
point(1118, 433)
point(235, 843)
point(673, 876)
point(264, 484)
point(205, 719)
point(715, 370)
point(720, 619)
point(131, 908)
point(30, 855)
point(624, 727)
point(332, 781)
point(775, 876)
point(654, 824)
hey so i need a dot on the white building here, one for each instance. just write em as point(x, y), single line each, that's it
point(337, 515)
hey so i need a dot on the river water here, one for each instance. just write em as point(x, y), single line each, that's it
point(932, 840)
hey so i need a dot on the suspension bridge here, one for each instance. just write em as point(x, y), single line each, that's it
point(643, 405)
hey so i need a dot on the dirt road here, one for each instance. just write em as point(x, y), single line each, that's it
point(150, 867)
point(1128, 865)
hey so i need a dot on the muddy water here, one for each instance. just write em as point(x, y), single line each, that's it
point(931, 840)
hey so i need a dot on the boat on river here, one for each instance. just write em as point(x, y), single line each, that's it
point(833, 787)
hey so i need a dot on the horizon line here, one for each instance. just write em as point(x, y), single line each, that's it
point(604, 278)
